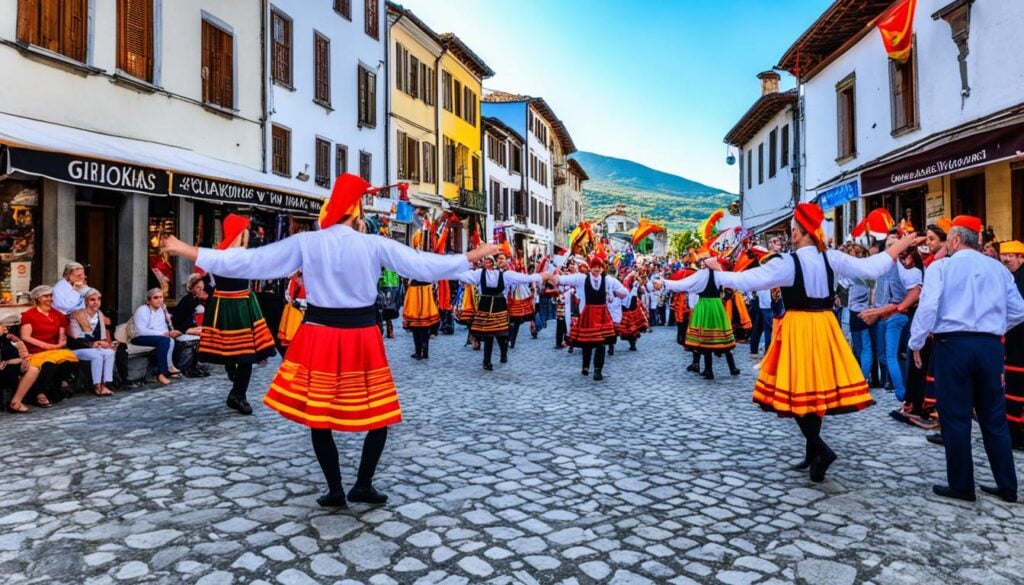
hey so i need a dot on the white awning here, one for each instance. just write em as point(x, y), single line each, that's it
point(93, 159)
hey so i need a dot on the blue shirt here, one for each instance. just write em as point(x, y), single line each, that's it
point(967, 292)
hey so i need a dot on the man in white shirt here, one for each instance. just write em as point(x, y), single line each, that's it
point(967, 303)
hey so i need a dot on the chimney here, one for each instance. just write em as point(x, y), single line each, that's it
point(769, 82)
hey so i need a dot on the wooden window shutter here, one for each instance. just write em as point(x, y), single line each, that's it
point(414, 77)
point(323, 68)
point(206, 67)
point(135, 38)
point(73, 33)
point(281, 38)
point(50, 33)
point(29, 21)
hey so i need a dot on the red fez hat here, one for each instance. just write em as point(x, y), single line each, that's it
point(968, 221)
point(346, 195)
point(809, 216)
point(234, 225)
point(596, 260)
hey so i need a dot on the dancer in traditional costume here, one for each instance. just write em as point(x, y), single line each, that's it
point(634, 319)
point(336, 374)
point(615, 312)
point(809, 370)
point(465, 311)
point(736, 310)
point(294, 309)
point(235, 334)
point(420, 313)
point(1012, 255)
point(709, 331)
point(491, 320)
point(594, 328)
point(520, 310)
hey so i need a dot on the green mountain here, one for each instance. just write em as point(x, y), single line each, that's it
point(674, 201)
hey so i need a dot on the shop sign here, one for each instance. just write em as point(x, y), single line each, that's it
point(89, 172)
point(838, 195)
point(185, 185)
point(973, 151)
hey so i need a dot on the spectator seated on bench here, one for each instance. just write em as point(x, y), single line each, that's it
point(153, 329)
point(43, 329)
point(94, 346)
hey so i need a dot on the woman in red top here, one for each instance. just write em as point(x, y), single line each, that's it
point(43, 329)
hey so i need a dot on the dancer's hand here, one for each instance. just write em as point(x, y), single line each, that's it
point(713, 264)
point(175, 247)
point(482, 251)
point(917, 360)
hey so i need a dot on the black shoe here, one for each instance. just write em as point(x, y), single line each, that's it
point(947, 492)
point(333, 499)
point(503, 359)
point(239, 404)
point(632, 347)
point(488, 367)
point(417, 356)
point(889, 386)
point(611, 350)
point(935, 439)
point(533, 335)
point(707, 375)
point(802, 466)
point(821, 463)
point(597, 376)
point(1010, 497)
point(585, 372)
point(693, 368)
point(734, 371)
point(366, 495)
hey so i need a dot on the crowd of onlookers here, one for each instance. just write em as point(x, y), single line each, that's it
point(65, 343)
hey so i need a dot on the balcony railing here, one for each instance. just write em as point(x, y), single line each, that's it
point(472, 200)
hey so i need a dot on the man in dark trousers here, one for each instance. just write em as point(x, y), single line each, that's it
point(967, 303)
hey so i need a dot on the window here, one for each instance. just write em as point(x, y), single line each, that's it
point(372, 22)
point(322, 53)
point(323, 162)
point(495, 199)
point(414, 77)
point(429, 163)
point(475, 172)
point(340, 159)
point(366, 166)
point(281, 150)
point(344, 8)
point(427, 77)
point(281, 48)
point(773, 141)
point(449, 160)
point(367, 98)
point(401, 63)
point(903, 81)
point(515, 164)
point(784, 161)
point(457, 97)
point(760, 163)
point(446, 91)
point(408, 157)
point(55, 25)
point(218, 66)
point(135, 38)
point(750, 169)
point(469, 106)
point(846, 119)
point(496, 150)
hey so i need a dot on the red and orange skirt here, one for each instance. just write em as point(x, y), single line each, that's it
point(336, 378)
point(234, 330)
point(520, 309)
point(420, 307)
point(633, 323)
point(291, 318)
point(810, 369)
point(595, 327)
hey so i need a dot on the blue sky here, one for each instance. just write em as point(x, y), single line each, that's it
point(657, 82)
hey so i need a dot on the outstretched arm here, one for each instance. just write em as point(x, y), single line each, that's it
point(426, 266)
point(277, 260)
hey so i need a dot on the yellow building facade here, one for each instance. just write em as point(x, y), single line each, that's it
point(461, 87)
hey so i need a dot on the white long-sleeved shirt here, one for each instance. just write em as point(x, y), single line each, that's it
point(967, 292)
point(66, 298)
point(781, 271)
point(691, 284)
point(764, 299)
point(340, 266)
point(578, 280)
point(149, 321)
point(472, 276)
point(615, 308)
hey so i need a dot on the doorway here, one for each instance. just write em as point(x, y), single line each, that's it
point(1017, 200)
point(96, 248)
point(969, 196)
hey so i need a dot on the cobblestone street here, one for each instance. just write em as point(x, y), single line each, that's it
point(528, 474)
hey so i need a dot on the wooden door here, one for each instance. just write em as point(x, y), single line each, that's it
point(96, 249)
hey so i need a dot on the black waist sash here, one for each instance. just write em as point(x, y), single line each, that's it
point(341, 318)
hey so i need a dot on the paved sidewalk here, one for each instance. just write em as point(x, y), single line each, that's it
point(528, 474)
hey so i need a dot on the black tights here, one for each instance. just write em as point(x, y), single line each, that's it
point(513, 332)
point(489, 348)
point(421, 340)
point(240, 379)
point(598, 353)
point(810, 426)
point(327, 455)
point(559, 331)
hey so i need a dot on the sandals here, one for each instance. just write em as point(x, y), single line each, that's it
point(102, 391)
point(11, 409)
point(176, 374)
point(163, 379)
point(42, 401)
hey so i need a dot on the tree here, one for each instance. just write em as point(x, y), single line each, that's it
point(680, 243)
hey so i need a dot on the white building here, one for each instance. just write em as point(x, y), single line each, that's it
point(534, 120)
point(568, 201)
point(120, 125)
point(326, 91)
point(938, 135)
point(503, 168)
point(766, 138)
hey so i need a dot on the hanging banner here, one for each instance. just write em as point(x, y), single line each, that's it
point(897, 30)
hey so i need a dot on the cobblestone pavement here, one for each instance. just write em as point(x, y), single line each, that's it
point(528, 474)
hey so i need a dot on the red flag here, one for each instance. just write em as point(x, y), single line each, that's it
point(897, 29)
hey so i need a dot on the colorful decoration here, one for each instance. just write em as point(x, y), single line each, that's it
point(645, 229)
point(897, 29)
point(876, 224)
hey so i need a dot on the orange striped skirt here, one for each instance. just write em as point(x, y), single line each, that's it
point(595, 327)
point(520, 308)
point(336, 378)
point(420, 307)
point(810, 368)
point(234, 330)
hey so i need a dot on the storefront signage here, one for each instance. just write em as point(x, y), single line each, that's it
point(89, 172)
point(211, 189)
point(966, 153)
point(838, 195)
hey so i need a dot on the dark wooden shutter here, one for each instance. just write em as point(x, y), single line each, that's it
point(323, 162)
point(414, 77)
point(281, 54)
point(50, 33)
point(372, 22)
point(73, 30)
point(135, 38)
point(280, 139)
point(28, 21)
point(371, 97)
point(323, 68)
